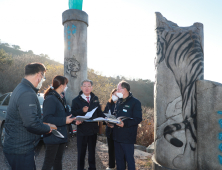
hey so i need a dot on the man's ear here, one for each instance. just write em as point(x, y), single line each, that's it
point(81, 87)
point(36, 75)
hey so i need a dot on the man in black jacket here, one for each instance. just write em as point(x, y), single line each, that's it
point(86, 131)
point(23, 124)
point(125, 133)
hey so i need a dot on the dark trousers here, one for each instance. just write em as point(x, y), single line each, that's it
point(124, 150)
point(111, 151)
point(53, 157)
point(82, 143)
point(21, 161)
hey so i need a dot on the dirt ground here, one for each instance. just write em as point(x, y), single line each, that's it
point(142, 159)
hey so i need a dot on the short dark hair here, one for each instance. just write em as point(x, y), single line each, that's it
point(126, 85)
point(33, 68)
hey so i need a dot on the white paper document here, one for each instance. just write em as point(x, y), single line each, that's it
point(57, 133)
point(99, 119)
point(82, 118)
point(87, 116)
point(91, 112)
point(109, 115)
point(123, 118)
point(109, 120)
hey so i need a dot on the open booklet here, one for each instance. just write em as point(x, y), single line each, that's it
point(87, 116)
point(109, 120)
point(109, 115)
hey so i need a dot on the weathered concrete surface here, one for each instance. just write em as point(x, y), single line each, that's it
point(75, 15)
point(140, 147)
point(179, 63)
point(157, 166)
point(75, 52)
point(150, 148)
point(209, 127)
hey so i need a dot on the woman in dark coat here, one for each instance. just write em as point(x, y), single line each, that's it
point(54, 112)
point(109, 130)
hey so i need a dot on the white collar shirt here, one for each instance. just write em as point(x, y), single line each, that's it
point(84, 97)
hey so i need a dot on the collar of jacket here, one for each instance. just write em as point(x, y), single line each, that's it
point(91, 94)
point(53, 92)
point(25, 81)
point(124, 100)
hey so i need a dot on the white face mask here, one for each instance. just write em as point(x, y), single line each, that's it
point(114, 98)
point(65, 89)
point(120, 95)
point(40, 84)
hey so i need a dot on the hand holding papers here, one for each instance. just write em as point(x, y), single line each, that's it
point(87, 116)
point(54, 130)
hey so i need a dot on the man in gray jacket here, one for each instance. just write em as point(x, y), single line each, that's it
point(23, 124)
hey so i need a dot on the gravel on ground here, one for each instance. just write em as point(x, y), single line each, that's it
point(142, 159)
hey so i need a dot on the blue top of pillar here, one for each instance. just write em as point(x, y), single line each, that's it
point(75, 4)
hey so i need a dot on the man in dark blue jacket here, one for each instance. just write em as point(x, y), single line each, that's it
point(86, 131)
point(23, 124)
point(125, 133)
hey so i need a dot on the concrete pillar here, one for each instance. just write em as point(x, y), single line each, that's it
point(75, 52)
point(179, 63)
point(209, 125)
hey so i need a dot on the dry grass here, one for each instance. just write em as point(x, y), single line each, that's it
point(145, 132)
point(144, 164)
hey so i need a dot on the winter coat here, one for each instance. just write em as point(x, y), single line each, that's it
point(54, 112)
point(130, 107)
point(87, 128)
point(23, 123)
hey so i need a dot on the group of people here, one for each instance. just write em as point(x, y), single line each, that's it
point(24, 125)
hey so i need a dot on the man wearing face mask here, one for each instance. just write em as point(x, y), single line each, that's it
point(23, 124)
point(125, 133)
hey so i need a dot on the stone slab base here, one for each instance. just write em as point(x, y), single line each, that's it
point(156, 166)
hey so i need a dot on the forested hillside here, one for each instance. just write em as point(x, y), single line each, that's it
point(13, 61)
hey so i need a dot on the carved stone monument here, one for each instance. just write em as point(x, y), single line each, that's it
point(179, 63)
point(75, 56)
point(209, 125)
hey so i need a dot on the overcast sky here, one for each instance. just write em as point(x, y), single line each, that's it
point(121, 35)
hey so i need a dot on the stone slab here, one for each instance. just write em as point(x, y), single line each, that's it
point(140, 147)
point(157, 166)
point(178, 63)
point(209, 125)
point(150, 148)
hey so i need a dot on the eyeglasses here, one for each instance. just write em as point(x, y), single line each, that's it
point(86, 86)
point(43, 76)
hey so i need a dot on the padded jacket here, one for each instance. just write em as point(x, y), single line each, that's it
point(130, 107)
point(86, 128)
point(54, 112)
point(23, 123)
